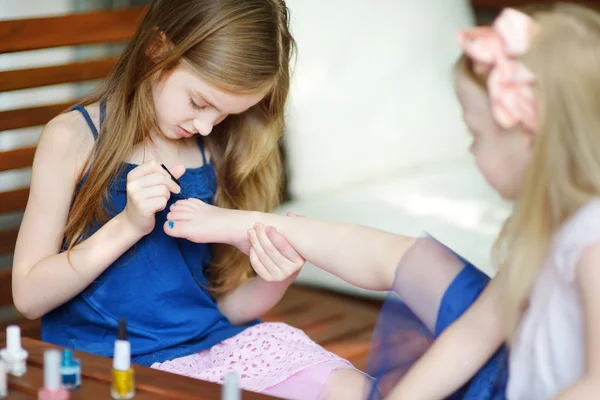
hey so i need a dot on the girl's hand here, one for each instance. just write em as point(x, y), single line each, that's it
point(271, 255)
point(149, 188)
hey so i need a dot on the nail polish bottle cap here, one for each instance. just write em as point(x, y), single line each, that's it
point(67, 358)
point(231, 390)
point(13, 339)
point(122, 356)
point(52, 369)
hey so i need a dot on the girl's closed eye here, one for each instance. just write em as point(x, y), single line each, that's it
point(195, 105)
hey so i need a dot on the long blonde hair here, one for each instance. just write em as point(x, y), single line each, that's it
point(240, 46)
point(564, 172)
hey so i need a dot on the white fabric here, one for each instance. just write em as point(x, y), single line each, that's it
point(549, 351)
point(452, 202)
point(372, 90)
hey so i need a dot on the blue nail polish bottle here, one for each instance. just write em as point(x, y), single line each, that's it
point(70, 370)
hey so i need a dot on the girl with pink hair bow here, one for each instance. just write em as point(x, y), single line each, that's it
point(529, 88)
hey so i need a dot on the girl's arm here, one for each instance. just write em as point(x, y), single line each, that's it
point(253, 299)
point(460, 351)
point(362, 256)
point(42, 277)
point(588, 281)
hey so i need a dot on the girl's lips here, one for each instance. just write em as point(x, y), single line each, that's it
point(184, 132)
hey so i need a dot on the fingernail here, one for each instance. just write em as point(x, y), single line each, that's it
point(249, 233)
point(171, 224)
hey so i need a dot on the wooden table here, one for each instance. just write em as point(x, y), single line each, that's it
point(96, 378)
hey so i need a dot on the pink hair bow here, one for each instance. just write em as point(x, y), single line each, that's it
point(496, 49)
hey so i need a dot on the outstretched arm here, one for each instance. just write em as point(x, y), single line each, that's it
point(363, 256)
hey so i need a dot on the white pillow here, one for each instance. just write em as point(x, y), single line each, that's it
point(372, 91)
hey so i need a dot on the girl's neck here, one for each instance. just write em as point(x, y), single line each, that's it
point(162, 149)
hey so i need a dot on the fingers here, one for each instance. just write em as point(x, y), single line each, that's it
point(154, 191)
point(143, 169)
point(274, 259)
point(275, 271)
point(258, 267)
point(281, 244)
point(157, 204)
point(170, 183)
point(150, 174)
point(152, 180)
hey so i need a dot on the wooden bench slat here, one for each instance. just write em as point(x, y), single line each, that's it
point(69, 30)
point(329, 333)
point(15, 159)
point(354, 349)
point(309, 317)
point(29, 328)
point(56, 74)
point(32, 116)
point(14, 200)
point(294, 297)
point(8, 238)
point(496, 5)
point(6, 287)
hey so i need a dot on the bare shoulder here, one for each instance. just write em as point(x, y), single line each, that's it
point(67, 138)
point(68, 130)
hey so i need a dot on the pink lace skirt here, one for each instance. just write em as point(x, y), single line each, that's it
point(271, 358)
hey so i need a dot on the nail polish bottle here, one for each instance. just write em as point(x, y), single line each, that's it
point(70, 370)
point(52, 389)
point(3, 381)
point(14, 356)
point(123, 383)
point(231, 389)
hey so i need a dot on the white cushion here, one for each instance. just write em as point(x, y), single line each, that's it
point(372, 91)
point(451, 202)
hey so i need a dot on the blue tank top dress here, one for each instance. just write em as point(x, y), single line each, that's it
point(159, 286)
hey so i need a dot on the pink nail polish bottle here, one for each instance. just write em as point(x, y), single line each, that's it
point(52, 389)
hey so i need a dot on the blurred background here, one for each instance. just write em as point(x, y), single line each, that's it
point(374, 133)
